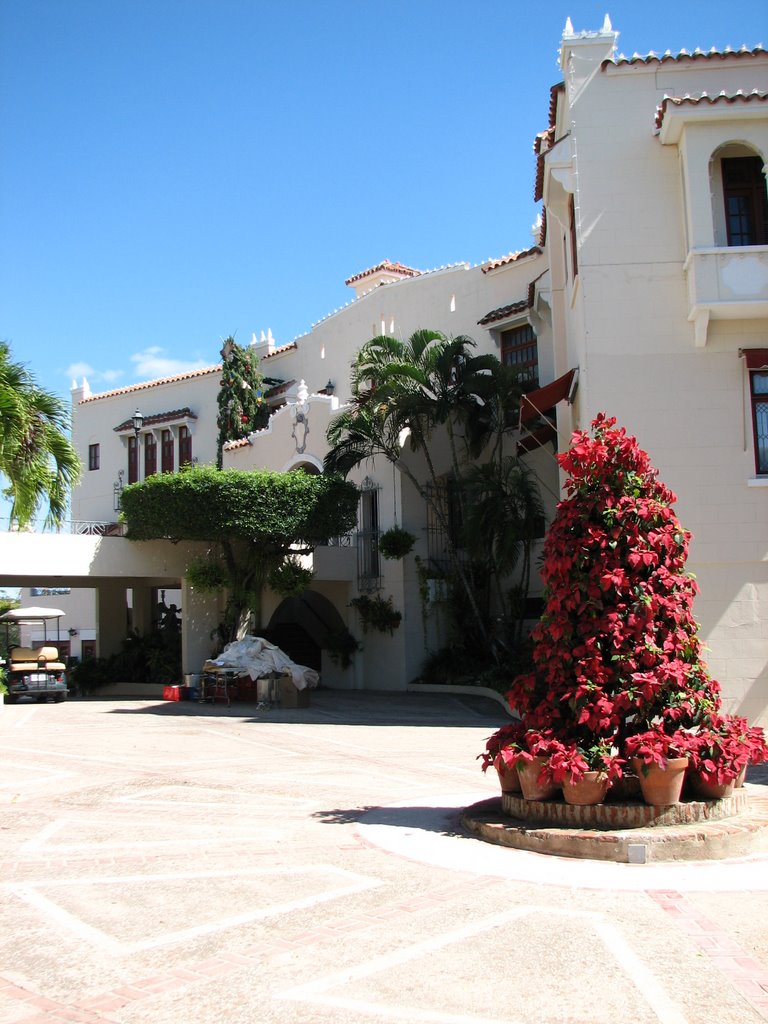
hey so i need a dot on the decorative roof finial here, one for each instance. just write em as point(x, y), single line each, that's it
point(607, 26)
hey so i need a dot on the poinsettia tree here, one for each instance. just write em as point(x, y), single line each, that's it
point(618, 666)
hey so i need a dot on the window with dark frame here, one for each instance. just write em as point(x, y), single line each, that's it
point(746, 202)
point(133, 460)
point(166, 451)
point(93, 456)
point(758, 388)
point(150, 455)
point(519, 350)
point(368, 565)
point(185, 447)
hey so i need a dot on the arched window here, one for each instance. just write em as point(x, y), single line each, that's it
point(739, 196)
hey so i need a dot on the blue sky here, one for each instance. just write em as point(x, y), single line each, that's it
point(175, 171)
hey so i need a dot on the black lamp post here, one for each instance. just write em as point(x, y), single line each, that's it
point(138, 422)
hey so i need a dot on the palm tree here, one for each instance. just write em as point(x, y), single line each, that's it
point(36, 456)
point(403, 392)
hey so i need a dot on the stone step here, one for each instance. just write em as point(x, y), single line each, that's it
point(691, 830)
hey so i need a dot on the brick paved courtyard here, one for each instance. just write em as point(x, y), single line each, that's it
point(199, 864)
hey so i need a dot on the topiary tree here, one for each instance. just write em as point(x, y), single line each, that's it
point(255, 521)
point(242, 408)
point(617, 656)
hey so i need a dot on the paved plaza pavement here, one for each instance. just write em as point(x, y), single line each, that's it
point(197, 864)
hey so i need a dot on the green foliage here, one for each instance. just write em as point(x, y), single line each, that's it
point(9, 631)
point(273, 509)
point(431, 394)
point(396, 543)
point(290, 578)
point(207, 575)
point(341, 647)
point(259, 519)
point(36, 456)
point(151, 658)
point(242, 408)
point(377, 613)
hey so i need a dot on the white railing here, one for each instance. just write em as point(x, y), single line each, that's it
point(86, 527)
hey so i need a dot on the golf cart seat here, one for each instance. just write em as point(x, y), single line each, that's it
point(33, 659)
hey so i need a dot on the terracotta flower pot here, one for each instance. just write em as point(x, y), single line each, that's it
point(661, 786)
point(591, 789)
point(739, 782)
point(711, 790)
point(529, 772)
point(509, 780)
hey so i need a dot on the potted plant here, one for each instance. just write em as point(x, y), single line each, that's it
point(500, 751)
point(341, 646)
point(377, 612)
point(396, 543)
point(532, 760)
point(660, 760)
point(585, 770)
point(720, 753)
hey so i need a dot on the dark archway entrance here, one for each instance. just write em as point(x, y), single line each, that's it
point(300, 626)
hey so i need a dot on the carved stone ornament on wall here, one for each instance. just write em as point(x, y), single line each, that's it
point(301, 418)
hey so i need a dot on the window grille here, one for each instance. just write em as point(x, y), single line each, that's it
point(368, 558)
point(446, 529)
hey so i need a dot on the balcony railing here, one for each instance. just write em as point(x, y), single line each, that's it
point(726, 284)
point(83, 527)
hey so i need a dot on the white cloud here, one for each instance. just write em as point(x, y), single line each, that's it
point(151, 363)
point(76, 371)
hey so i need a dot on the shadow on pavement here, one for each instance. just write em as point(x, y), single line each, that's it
point(342, 707)
point(442, 820)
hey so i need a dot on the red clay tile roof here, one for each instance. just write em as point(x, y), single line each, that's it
point(543, 232)
point(179, 376)
point(695, 101)
point(278, 351)
point(727, 54)
point(153, 383)
point(160, 417)
point(513, 257)
point(544, 143)
point(504, 312)
point(394, 268)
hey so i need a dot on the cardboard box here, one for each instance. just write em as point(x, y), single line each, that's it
point(290, 697)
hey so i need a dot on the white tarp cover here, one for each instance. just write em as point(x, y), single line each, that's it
point(255, 657)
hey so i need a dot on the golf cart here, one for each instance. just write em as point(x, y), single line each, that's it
point(35, 672)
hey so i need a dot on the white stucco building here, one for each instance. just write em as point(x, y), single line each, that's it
point(652, 175)
point(649, 276)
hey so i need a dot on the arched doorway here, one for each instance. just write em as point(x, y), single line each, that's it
point(300, 626)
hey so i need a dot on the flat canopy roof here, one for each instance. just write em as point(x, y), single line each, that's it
point(30, 614)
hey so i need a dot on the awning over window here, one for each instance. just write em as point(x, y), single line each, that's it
point(538, 437)
point(535, 403)
point(756, 358)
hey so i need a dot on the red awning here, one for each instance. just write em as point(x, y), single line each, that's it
point(538, 402)
point(538, 437)
point(756, 358)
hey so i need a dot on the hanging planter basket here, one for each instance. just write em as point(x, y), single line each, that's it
point(396, 543)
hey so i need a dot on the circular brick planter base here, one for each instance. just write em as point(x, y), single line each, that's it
point(630, 833)
point(633, 814)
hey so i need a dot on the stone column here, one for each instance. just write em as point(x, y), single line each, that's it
point(111, 617)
